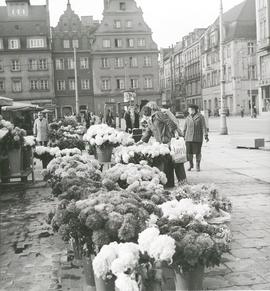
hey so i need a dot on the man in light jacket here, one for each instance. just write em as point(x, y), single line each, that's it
point(41, 129)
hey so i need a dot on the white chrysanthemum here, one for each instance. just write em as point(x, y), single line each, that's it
point(146, 237)
point(126, 283)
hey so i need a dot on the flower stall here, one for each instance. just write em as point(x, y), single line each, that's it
point(16, 153)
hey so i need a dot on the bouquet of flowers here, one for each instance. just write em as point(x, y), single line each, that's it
point(102, 135)
point(42, 152)
point(151, 153)
point(220, 205)
point(15, 136)
point(29, 141)
point(135, 177)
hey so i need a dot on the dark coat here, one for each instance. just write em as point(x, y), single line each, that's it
point(128, 120)
point(195, 128)
point(160, 127)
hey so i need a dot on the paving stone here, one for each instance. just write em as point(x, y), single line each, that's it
point(240, 265)
point(253, 243)
point(261, 286)
point(255, 233)
point(217, 282)
point(244, 278)
point(247, 253)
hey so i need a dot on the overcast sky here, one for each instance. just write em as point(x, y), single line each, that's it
point(169, 20)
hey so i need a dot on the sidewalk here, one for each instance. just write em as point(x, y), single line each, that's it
point(244, 176)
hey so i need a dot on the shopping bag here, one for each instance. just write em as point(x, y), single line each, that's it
point(178, 150)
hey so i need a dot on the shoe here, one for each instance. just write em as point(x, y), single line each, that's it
point(198, 167)
point(191, 166)
point(182, 183)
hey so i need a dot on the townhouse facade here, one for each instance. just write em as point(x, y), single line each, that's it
point(26, 69)
point(240, 64)
point(125, 57)
point(73, 33)
point(263, 53)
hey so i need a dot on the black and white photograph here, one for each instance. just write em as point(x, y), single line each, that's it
point(134, 145)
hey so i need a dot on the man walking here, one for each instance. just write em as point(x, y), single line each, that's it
point(194, 131)
point(41, 129)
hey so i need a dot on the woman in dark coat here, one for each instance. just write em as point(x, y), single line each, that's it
point(163, 129)
point(194, 132)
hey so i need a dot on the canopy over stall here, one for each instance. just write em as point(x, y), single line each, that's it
point(18, 106)
point(4, 101)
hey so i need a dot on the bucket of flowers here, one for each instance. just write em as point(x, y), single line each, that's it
point(77, 168)
point(198, 243)
point(46, 154)
point(104, 138)
point(154, 154)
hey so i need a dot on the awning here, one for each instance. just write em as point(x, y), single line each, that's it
point(18, 106)
point(4, 101)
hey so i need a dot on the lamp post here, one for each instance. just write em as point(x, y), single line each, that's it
point(223, 121)
point(76, 82)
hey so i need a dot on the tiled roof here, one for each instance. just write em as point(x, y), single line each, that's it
point(240, 21)
point(34, 24)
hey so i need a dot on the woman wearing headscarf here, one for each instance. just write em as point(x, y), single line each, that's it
point(194, 132)
point(163, 129)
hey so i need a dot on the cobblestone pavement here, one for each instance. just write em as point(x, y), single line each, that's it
point(31, 259)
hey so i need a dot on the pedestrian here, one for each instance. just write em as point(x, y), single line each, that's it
point(92, 118)
point(41, 129)
point(242, 112)
point(100, 117)
point(254, 111)
point(194, 132)
point(132, 119)
point(109, 118)
point(163, 129)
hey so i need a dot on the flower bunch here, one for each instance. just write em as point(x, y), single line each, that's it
point(29, 141)
point(144, 152)
point(102, 134)
point(185, 207)
point(134, 177)
point(207, 194)
point(4, 124)
point(68, 167)
point(15, 138)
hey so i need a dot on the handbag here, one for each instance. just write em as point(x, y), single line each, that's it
point(178, 150)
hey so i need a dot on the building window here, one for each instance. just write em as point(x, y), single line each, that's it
point(1, 44)
point(34, 85)
point(33, 65)
point(36, 43)
point(75, 43)
point(1, 66)
point(15, 65)
point(106, 84)
point(104, 63)
point(2, 85)
point(71, 84)
point(147, 61)
point(43, 64)
point(66, 43)
point(17, 86)
point(134, 83)
point(61, 85)
point(122, 6)
point(106, 43)
point(229, 74)
point(71, 64)
point(141, 42)
point(252, 75)
point(148, 83)
point(133, 62)
point(84, 63)
point(120, 84)
point(130, 42)
point(119, 63)
point(85, 84)
point(128, 24)
point(251, 48)
point(117, 24)
point(44, 85)
point(13, 44)
point(60, 64)
point(118, 42)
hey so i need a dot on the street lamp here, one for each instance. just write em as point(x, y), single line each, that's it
point(223, 121)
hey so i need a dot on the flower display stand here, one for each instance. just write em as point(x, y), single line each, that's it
point(104, 154)
point(192, 280)
point(17, 167)
point(15, 161)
